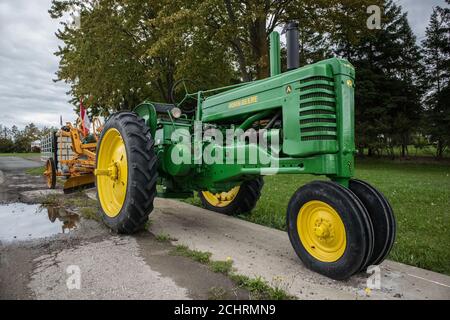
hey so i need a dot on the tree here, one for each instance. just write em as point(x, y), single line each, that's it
point(125, 51)
point(436, 47)
point(121, 54)
point(23, 139)
point(6, 143)
point(16, 140)
point(388, 72)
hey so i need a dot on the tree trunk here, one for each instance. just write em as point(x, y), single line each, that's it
point(258, 38)
point(439, 149)
point(237, 45)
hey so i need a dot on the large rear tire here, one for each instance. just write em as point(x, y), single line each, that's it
point(126, 172)
point(238, 200)
point(329, 229)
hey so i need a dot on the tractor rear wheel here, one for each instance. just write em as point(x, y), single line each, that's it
point(382, 218)
point(126, 172)
point(329, 229)
point(238, 200)
point(50, 173)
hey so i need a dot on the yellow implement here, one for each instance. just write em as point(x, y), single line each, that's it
point(73, 156)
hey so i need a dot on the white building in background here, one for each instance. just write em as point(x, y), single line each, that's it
point(36, 145)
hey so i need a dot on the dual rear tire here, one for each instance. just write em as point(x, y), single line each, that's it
point(338, 231)
point(335, 231)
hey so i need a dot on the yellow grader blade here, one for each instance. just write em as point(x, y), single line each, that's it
point(76, 183)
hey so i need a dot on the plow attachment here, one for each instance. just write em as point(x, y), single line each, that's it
point(76, 183)
point(70, 152)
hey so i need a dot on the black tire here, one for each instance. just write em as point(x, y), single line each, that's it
point(51, 176)
point(244, 202)
point(142, 172)
point(358, 230)
point(367, 222)
point(382, 218)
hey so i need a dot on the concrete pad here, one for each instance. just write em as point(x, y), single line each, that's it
point(261, 251)
point(37, 195)
point(110, 269)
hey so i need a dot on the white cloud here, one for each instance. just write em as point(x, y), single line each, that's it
point(419, 12)
point(28, 66)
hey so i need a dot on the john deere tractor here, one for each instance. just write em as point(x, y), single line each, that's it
point(297, 122)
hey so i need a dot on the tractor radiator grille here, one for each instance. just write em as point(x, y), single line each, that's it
point(317, 113)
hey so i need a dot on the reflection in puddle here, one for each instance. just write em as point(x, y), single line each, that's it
point(21, 221)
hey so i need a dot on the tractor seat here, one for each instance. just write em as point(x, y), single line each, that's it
point(163, 107)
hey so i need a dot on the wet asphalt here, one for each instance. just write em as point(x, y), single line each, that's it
point(53, 253)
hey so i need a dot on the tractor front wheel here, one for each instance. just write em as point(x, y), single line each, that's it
point(126, 172)
point(330, 229)
point(240, 199)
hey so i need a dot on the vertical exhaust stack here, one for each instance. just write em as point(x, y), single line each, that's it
point(293, 59)
point(275, 59)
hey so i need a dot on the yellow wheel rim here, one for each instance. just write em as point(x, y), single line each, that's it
point(48, 174)
point(321, 231)
point(221, 199)
point(112, 172)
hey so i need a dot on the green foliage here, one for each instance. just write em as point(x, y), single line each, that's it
point(388, 72)
point(19, 141)
point(90, 213)
point(163, 237)
point(436, 48)
point(125, 53)
point(219, 266)
point(39, 171)
point(199, 256)
point(260, 289)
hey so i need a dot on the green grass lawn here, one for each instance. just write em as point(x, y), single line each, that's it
point(23, 155)
point(428, 151)
point(419, 194)
point(38, 171)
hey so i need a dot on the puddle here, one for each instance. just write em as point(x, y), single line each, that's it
point(21, 221)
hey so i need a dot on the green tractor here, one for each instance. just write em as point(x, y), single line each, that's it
point(297, 122)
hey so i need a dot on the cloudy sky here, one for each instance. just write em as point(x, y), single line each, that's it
point(27, 63)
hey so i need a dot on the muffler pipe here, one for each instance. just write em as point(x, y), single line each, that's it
point(292, 46)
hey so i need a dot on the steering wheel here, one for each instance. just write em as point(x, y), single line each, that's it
point(189, 102)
